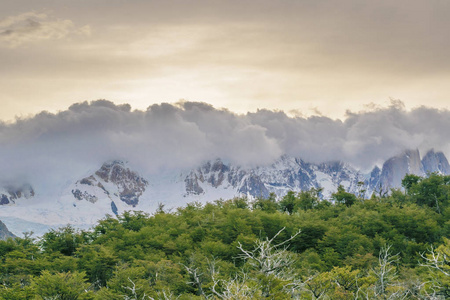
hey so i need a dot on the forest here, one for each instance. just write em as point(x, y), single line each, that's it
point(392, 246)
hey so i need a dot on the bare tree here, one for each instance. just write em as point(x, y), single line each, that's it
point(271, 259)
point(240, 287)
point(133, 290)
point(273, 262)
point(268, 262)
point(438, 262)
point(385, 272)
point(196, 279)
point(163, 295)
point(387, 287)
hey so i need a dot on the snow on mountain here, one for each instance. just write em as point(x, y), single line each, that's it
point(294, 174)
point(287, 173)
point(113, 180)
point(117, 186)
point(219, 174)
point(10, 193)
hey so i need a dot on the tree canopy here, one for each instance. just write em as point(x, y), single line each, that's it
point(298, 247)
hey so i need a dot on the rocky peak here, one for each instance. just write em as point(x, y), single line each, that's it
point(409, 162)
point(443, 163)
point(337, 169)
point(213, 173)
point(292, 173)
point(331, 166)
point(287, 173)
point(414, 162)
point(128, 185)
point(435, 162)
point(395, 168)
point(252, 185)
point(218, 174)
point(9, 194)
point(192, 182)
point(373, 180)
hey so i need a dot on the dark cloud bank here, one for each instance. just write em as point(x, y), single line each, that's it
point(50, 147)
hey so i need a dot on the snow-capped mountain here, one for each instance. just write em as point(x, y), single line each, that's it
point(116, 186)
point(114, 181)
point(10, 193)
point(219, 174)
point(288, 173)
point(408, 162)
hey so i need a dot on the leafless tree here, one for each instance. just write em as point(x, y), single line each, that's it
point(240, 287)
point(271, 259)
point(196, 279)
point(438, 261)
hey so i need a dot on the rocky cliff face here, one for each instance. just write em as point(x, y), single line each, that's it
point(118, 183)
point(435, 162)
point(288, 173)
point(4, 232)
point(114, 180)
point(115, 187)
point(395, 168)
point(409, 162)
point(10, 194)
point(293, 174)
point(373, 182)
point(219, 174)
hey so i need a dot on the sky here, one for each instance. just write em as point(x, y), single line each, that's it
point(303, 57)
point(170, 84)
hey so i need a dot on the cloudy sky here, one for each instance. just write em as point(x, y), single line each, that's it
point(305, 57)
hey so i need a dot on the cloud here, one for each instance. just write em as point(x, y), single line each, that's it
point(364, 139)
point(33, 27)
point(49, 148)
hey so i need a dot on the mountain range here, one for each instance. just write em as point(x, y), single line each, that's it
point(117, 186)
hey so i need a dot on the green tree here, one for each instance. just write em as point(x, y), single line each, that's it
point(409, 181)
point(288, 202)
point(64, 286)
point(433, 191)
point(343, 197)
point(98, 262)
point(308, 199)
point(64, 240)
point(269, 204)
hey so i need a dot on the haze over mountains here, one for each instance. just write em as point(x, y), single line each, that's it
point(100, 158)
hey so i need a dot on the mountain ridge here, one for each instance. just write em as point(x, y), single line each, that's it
point(116, 187)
